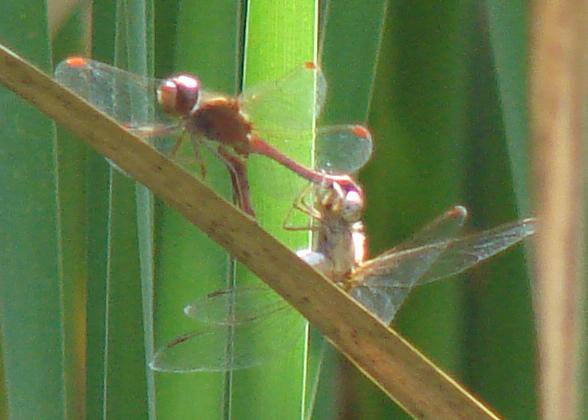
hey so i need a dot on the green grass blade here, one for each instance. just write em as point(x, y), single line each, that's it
point(365, 340)
point(3, 392)
point(140, 53)
point(128, 379)
point(202, 37)
point(280, 36)
point(143, 261)
point(500, 325)
point(102, 36)
point(72, 178)
point(507, 30)
point(125, 385)
point(417, 120)
point(351, 38)
point(349, 51)
point(31, 299)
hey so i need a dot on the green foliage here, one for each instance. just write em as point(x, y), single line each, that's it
point(96, 272)
point(280, 36)
point(203, 38)
point(439, 118)
point(34, 328)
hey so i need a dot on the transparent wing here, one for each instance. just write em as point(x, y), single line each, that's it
point(339, 150)
point(342, 149)
point(221, 348)
point(128, 98)
point(236, 305)
point(443, 228)
point(286, 105)
point(239, 323)
point(384, 282)
point(468, 251)
point(282, 111)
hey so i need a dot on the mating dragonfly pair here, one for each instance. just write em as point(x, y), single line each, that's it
point(167, 112)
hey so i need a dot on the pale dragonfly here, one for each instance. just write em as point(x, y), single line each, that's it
point(240, 315)
point(166, 112)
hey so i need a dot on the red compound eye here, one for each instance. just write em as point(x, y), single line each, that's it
point(179, 94)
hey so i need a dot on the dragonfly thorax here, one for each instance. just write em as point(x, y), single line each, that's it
point(220, 119)
point(341, 236)
point(343, 246)
point(178, 95)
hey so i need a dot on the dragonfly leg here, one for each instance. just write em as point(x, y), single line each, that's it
point(174, 150)
point(305, 207)
point(196, 144)
point(301, 204)
point(150, 131)
point(238, 171)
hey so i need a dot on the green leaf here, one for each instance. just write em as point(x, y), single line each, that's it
point(449, 121)
point(72, 178)
point(128, 325)
point(500, 327)
point(98, 205)
point(31, 289)
point(125, 386)
point(507, 32)
point(280, 37)
point(350, 47)
point(203, 38)
point(417, 118)
point(351, 37)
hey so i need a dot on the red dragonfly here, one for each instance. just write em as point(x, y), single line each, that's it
point(233, 128)
point(241, 315)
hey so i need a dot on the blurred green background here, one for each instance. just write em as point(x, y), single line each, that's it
point(90, 259)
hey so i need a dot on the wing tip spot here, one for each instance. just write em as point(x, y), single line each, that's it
point(361, 131)
point(76, 61)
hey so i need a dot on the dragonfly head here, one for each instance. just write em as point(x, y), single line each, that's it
point(342, 198)
point(179, 94)
point(352, 206)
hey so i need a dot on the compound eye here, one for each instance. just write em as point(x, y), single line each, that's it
point(167, 93)
point(352, 207)
point(178, 95)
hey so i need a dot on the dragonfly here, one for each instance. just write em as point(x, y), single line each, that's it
point(381, 284)
point(167, 112)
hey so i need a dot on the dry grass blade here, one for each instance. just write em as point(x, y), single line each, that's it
point(403, 373)
point(558, 103)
